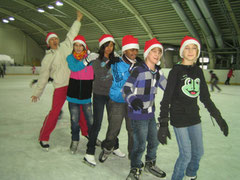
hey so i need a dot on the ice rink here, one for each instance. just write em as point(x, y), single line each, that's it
point(21, 157)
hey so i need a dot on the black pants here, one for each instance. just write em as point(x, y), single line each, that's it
point(99, 102)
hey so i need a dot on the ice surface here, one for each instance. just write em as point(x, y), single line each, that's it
point(21, 157)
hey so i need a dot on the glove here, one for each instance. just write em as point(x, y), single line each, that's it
point(163, 131)
point(91, 57)
point(222, 124)
point(137, 104)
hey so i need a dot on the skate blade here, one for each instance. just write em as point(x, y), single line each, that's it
point(88, 163)
point(45, 149)
point(150, 174)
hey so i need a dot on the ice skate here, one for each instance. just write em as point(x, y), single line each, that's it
point(74, 146)
point(190, 178)
point(89, 160)
point(119, 153)
point(45, 146)
point(134, 174)
point(104, 155)
point(150, 167)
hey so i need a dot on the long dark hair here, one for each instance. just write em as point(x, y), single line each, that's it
point(102, 48)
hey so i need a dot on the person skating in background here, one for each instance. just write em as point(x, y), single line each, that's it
point(1, 72)
point(101, 85)
point(185, 84)
point(54, 65)
point(229, 75)
point(33, 69)
point(118, 106)
point(214, 81)
point(139, 92)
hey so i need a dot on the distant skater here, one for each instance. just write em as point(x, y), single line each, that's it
point(229, 75)
point(214, 81)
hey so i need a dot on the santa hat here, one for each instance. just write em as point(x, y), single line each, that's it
point(149, 45)
point(105, 38)
point(189, 40)
point(80, 39)
point(129, 42)
point(49, 36)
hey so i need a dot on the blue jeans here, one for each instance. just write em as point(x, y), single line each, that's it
point(144, 131)
point(74, 110)
point(99, 102)
point(190, 146)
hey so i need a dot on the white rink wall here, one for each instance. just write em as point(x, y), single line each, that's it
point(222, 74)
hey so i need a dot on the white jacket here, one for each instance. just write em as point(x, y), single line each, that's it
point(54, 63)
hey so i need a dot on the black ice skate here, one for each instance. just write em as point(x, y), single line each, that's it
point(104, 155)
point(44, 146)
point(74, 146)
point(150, 167)
point(134, 174)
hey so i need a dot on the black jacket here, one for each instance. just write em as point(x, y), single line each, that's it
point(185, 84)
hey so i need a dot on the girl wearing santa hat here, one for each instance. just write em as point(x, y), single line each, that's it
point(186, 83)
point(139, 92)
point(101, 85)
point(80, 88)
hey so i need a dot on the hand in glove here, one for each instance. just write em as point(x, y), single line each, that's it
point(222, 124)
point(163, 131)
point(91, 57)
point(137, 104)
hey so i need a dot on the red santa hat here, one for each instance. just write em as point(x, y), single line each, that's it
point(129, 42)
point(105, 38)
point(149, 45)
point(80, 39)
point(189, 40)
point(49, 36)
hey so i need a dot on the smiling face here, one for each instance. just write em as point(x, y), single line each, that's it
point(190, 54)
point(154, 55)
point(108, 49)
point(131, 53)
point(191, 87)
point(53, 43)
point(77, 47)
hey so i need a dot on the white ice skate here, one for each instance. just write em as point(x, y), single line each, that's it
point(119, 153)
point(89, 160)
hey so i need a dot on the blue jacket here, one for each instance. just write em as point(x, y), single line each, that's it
point(120, 73)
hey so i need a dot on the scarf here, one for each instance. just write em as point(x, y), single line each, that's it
point(80, 56)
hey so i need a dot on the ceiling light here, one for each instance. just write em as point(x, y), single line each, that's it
point(40, 10)
point(59, 3)
point(50, 7)
point(11, 18)
point(5, 21)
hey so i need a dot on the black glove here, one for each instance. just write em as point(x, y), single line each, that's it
point(163, 131)
point(137, 104)
point(222, 124)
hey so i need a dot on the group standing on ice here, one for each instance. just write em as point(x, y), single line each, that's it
point(127, 85)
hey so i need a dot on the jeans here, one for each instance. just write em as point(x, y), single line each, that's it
point(118, 111)
point(190, 146)
point(144, 131)
point(99, 101)
point(74, 110)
